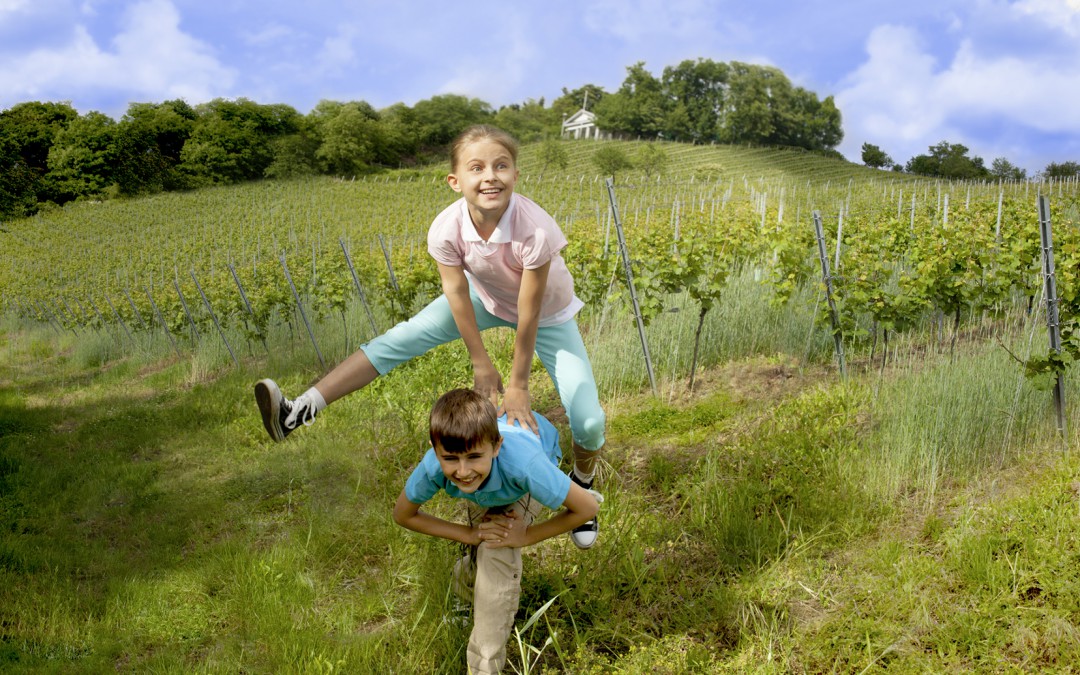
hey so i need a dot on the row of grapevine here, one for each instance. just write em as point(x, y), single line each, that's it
point(903, 249)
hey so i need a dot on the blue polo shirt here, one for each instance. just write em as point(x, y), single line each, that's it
point(526, 464)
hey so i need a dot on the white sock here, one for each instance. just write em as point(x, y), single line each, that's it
point(316, 399)
point(584, 477)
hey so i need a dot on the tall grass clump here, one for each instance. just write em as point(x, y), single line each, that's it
point(964, 415)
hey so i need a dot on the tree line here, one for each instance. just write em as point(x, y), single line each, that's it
point(50, 154)
point(951, 161)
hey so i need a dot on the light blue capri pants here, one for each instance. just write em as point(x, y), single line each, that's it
point(560, 349)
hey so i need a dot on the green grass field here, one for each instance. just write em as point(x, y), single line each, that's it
point(913, 517)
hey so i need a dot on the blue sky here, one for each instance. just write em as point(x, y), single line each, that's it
point(1000, 76)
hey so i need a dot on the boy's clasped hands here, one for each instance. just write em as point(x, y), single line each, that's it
point(501, 531)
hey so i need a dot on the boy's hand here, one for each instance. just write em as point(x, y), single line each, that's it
point(505, 531)
point(517, 406)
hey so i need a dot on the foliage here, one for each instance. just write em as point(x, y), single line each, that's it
point(611, 160)
point(553, 154)
point(947, 160)
point(1061, 170)
point(1002, 169)
point(875, 157)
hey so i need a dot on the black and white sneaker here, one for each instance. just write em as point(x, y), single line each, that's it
point(280, 415)
point(584, 535)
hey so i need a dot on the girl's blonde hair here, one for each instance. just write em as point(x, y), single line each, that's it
point(482, 132)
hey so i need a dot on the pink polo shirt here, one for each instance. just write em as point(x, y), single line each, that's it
point(526, 238)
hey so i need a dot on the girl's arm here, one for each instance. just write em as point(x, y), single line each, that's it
point(487, 380)
point(517, 403)
point(409, 516)
point(579, 508)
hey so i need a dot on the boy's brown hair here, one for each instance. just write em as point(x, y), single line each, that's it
point(481, 132)
point(462, 419)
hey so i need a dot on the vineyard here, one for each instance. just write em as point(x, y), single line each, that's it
point(847, 460)
point(241, 260)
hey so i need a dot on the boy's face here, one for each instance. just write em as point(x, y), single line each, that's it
point(470, 469)
point(485, 176)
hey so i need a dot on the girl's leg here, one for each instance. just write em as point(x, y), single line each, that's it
point(562, 351)
point(432, 326)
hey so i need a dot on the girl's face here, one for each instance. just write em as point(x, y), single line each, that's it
point(485, 175)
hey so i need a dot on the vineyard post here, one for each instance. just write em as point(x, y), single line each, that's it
point(839, 238)
point(630, 283)
point(116, 314)
point(164, 326)
point(82, 310)
point(389, 265)
point(300, 306)
point(96, 312)
point(214, 318)
point(58, 320)
point(824, 256)
point(183, 303)
point(251, 312)
point(71, 314)
point(1052, 305)
point(50, 318)
point(359, 288)
point(134, 310)
point(997, 228)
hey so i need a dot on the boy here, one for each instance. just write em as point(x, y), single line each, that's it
point(505, 473)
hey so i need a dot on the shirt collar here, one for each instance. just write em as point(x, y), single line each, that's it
point(504, 231)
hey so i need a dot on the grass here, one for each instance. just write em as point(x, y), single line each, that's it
point(775, 519)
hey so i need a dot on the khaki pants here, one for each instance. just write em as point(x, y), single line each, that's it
point(491, 579)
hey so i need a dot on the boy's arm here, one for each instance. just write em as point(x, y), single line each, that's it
point(578, 508)
point(455, 287)
point(409, 516)
point(516, 402)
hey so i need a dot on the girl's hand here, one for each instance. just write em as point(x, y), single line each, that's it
point(488, 383)
point(517, 406)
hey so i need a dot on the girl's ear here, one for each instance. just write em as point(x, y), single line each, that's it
point(452, 180)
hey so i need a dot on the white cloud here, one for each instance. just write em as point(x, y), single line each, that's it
point(151, 58)
point(494, 77)
point(1061, 14)
point(635, 20)
point(902, 101)
point(271, 34)
point(13, 5)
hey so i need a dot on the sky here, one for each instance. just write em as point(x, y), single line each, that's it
point(1001, 77)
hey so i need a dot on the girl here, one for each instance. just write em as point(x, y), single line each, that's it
point(498, 255)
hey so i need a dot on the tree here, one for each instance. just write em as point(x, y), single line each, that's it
point(1061, 170)
point(528, 121)
point(149, 141)
point(232, 140)
point(82, 159)
point(352, 138)
point(553, 154)
point(948, 160)
point(638, 108)
point(441, 118)
point(652, 159)
point(698, 90)
point(876, 158)
point(27, 132)
point(611, 159)
point(1003, 169)
point(571, 101)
